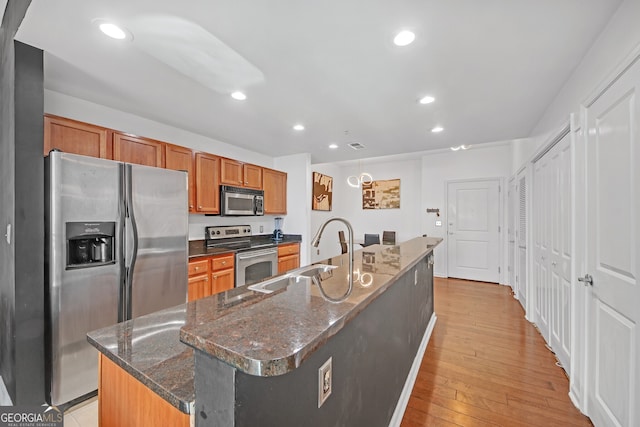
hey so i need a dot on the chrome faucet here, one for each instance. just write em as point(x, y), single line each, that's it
point(316, 241)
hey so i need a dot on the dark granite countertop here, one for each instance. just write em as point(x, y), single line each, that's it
point(197, 248)
point(149, 347)
point(277, 335)
point(261, 334)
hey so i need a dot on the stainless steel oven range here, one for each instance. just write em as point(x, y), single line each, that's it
point(255, 260)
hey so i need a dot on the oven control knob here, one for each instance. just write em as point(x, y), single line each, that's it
point(218, 232)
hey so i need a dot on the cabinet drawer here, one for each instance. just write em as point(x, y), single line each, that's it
point(284, 250)
point(200, 266)
point(222, 262)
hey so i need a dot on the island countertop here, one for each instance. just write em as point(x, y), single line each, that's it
point(261, 334)
point(277, 335)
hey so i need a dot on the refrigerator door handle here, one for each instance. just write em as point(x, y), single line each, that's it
point(134, 240)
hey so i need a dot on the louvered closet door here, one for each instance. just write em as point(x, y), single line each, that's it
point(511, 233)
point(521, 239)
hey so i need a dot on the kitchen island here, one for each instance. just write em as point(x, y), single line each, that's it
point(253, 358)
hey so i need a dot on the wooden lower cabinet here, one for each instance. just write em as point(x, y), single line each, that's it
point(288, 257)
point(210, 275)
point(222, 280)
point(124, 401)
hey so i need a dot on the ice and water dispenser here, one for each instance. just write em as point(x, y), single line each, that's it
point(90, 244)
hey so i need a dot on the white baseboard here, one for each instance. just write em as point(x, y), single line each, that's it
point(396, 419)
point(5, 399)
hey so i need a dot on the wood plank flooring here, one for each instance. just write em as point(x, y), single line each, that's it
point(486, 365)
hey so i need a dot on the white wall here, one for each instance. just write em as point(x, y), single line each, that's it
point(297, 220)
point(619, 38)
point(438, 168)
point(347, 203)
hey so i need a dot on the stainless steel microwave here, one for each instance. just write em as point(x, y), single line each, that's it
point(235, 201)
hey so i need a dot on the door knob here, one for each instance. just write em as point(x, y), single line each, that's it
point(587, 279)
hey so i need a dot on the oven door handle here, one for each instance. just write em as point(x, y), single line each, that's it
point(255, 254)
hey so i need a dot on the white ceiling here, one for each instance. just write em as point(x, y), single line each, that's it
point(493, 66)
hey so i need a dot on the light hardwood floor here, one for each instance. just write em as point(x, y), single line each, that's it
point(486, 365)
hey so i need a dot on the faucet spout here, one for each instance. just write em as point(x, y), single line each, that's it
point(316, 241)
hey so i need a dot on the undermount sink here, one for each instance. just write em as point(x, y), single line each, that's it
point(314, 270)
point(295, 276)
point(272, 285)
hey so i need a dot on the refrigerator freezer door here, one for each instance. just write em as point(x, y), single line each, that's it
point(159, 216)
point(81, 190)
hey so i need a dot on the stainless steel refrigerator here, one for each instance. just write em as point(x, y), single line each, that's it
point(117, 248)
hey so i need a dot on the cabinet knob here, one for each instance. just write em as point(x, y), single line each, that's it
point(197, 268)
point(190, 206)
point(199, 207)
point(215, 277)
point(246, 182)
point(206, 279)
point(224, 262)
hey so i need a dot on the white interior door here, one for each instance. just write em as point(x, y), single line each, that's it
point(613, 253)
point(560, 255)
point(541, 241)
point(473, 235)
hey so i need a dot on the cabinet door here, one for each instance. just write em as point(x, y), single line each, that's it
point(181, 159)
point(288, 262)
point(275, 191)
point(252, 176)
point(141, 151)
point(231, 172)
point(76, 137)
point(199, 287)
point(207, 183)
point(222, 280)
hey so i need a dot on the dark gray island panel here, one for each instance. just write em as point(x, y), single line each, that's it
point(371, 358)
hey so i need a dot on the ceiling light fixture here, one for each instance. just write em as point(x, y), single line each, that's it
point(112, 30)
point(298, 127)
point(239, 96)
point(356, 181)
point(460, 147)
point(426, 99)
point(404, 38)
point(333, 146)
point(437, 129)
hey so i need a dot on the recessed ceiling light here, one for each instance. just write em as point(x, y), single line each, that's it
point(460, 147)
point(404, 38)
point(238, 96)
point(437, 129)
point(427, 99)
point(298, 127)
point(333, 146)
point(112, 30)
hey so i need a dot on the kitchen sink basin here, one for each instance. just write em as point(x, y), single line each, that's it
point(272, 285)
point(315, 270)
point(318, 271)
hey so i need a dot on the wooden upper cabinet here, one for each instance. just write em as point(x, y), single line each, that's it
point(181, 159)
point(275, 191)
point(141, 151)
point(207, 183)
point(238, 174)
point(76, 137)
point(252, 176)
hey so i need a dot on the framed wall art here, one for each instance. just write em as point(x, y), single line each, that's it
point(381, 194)
point(322, 192)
